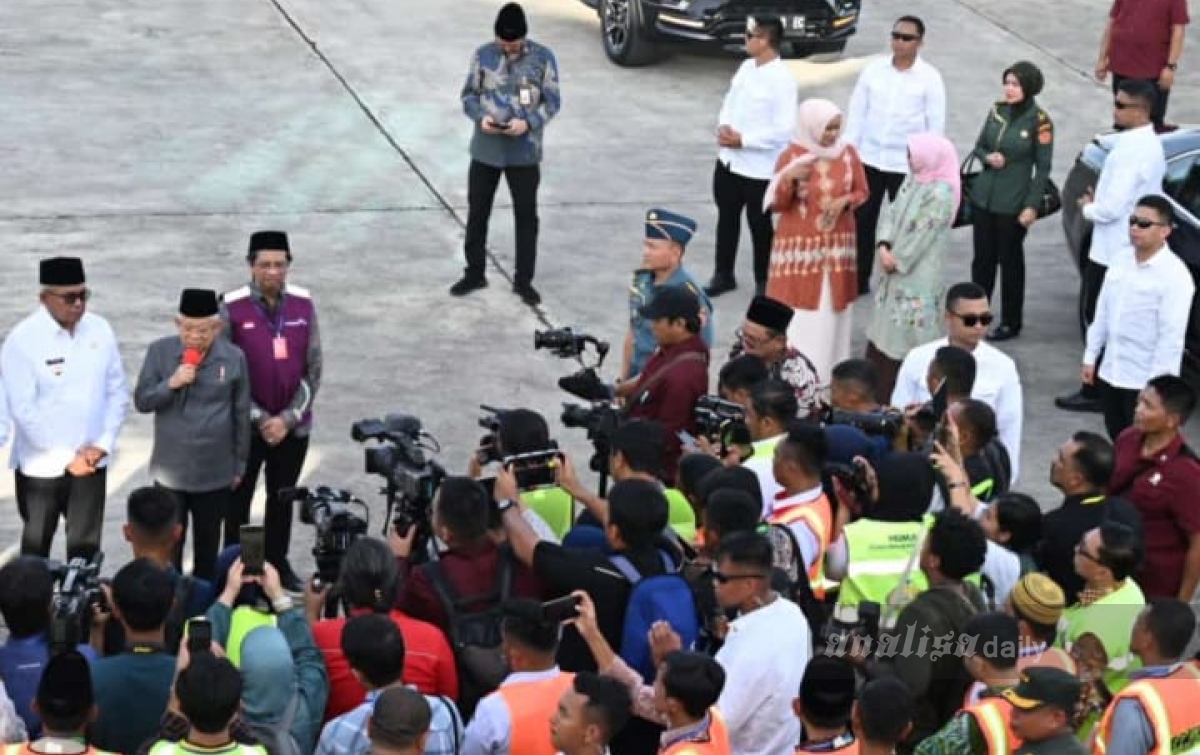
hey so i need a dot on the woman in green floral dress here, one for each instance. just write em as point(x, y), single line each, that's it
point(911, 242)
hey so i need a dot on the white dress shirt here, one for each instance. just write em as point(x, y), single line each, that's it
point(1141, 319)
point(997, 384)
point(490, 730)
point(761, 106)
point(1134, 168)
point(764, 657)
point(65, 391)
point(888, 106)
point(5, 421)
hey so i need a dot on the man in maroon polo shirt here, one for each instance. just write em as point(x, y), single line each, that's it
point(1156, 470)
point(275, 325)
point(1144, 40)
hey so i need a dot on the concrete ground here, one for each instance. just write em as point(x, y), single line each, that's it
point(151, 138)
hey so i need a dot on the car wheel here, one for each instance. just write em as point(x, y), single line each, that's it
point(830, 54)
point(624, 34)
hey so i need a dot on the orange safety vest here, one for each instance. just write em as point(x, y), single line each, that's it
point(993, 715)
point(1170, 706)
point(714, 740)
point(818, 517)
point(530, 705)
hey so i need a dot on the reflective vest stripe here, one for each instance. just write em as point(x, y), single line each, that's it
point(994, 716)
point(716, 741)
point(817, 516)
point(530, 704)
point(983, 488)
point(1169, 705)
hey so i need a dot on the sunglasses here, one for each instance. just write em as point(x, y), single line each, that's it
point(1122, 105)
point(72, 298)
point(900, 36)
point(1080, 549)
point(1143, 223)
point(971, 321)
point(724, 579)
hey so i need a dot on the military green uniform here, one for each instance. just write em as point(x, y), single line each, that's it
point(1026, 139)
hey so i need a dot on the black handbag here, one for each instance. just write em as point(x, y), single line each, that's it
point(971, 167)
point(1051, 200)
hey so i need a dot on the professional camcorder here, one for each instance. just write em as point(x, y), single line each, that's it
point(535, 468)
point(567, 344)
point(886, 422)
point(600, 420)
point(719, 419)
point(412, 477)
point(77, 595)
point(332, 512)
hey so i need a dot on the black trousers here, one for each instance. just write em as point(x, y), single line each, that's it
point(283, 464)
point(1158, 115)
point(1000, 241)
point(1091, 281)
point(482, 181)
point(207, 510)
point(866, 219)
point(42, 500)
point(1118, 405)
point(733, 194)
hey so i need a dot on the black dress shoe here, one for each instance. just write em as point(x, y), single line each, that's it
point(1004, 333)
point(468, 284)
point(720, 284)
point(1078, 402)
point(528, 294)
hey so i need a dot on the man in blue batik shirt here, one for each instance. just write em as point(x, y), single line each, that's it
point(667, 235)
point(511, 93)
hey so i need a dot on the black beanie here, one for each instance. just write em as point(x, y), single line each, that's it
point(1029, 75)
point(510, 23)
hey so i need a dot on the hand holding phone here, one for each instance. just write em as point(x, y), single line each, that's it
point(254, 552)
point(199, 636)
point(561, 609)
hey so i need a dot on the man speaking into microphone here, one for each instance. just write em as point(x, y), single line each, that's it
point(198, 389)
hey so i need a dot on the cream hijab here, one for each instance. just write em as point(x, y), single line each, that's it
point(813, 117)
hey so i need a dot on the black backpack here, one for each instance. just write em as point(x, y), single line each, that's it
point(475, 637)
point(789, 577)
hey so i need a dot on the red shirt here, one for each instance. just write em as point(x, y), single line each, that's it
point(428, 661)
point(1141, 35)
point(671, 399)
point(1163, 489)
point(470, 573)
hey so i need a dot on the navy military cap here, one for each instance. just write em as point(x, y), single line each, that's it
point(671, 302)
point(669, 226)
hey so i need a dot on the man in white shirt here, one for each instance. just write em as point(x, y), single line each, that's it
point(68, 396)
point(997, 383)
point(753, 128)
point(1134, 168)
point(771, 408)
point(765, 653)
point(1141, 316)
point(894, 98)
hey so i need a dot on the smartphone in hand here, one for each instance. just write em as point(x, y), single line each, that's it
point(254, 548)
point(199, 636)
point(560, 610)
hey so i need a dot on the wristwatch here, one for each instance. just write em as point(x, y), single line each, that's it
point(505, 505)
point(1173, 66)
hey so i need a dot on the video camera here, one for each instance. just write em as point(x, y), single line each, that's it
point(600, 420)
point(721, 420)
point(412, 477)
point(77, 595)
point(887, 423)
point(565, 343)
point(331, 512)
point(533, 469)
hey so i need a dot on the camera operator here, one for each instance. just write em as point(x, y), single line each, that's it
point(471, 562)
point(667, 234)
point(770, 411)
point(952, 371)
point(954, 547)
point(853, 387)
point(738, 377)
point(872, 553)
point(802, 505)
point(764, 334)
point(367, 584)
point(676, 375)
point(984, 457)
point(26, 598)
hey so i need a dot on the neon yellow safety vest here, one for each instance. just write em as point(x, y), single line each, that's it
point(1109, 619)
point(765, 449)
point(680, 515)
point(554, 505)
point(179, 748)
point(242, 622)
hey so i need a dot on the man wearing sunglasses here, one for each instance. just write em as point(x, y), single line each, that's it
point(894, 98)
point(1134, 168)
point(1141, 316)
point(68, 396)
point(997, 383)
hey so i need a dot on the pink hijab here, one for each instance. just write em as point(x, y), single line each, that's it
point(934, 158)
point(812, 118)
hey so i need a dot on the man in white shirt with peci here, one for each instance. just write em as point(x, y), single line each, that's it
point(1141, 316)
point(67, 396)
point(895, 97)
point(997, 383)
point(753, 128)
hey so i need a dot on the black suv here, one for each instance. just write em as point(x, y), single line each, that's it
point(635, 32)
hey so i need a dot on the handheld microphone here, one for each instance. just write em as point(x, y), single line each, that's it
point(191, 357)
